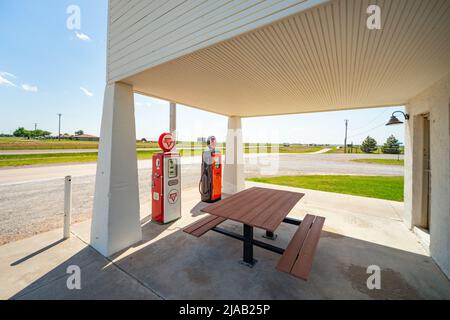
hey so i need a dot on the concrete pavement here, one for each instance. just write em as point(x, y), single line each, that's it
point(169, 264)
point(264, 164)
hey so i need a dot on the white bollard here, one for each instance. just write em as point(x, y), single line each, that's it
point(67, 205)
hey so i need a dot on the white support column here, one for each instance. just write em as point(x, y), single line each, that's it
point(233, 178)
point(116, 219)
point(173, 117)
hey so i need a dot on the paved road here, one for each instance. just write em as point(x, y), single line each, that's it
point(31, 199)
point(19, 152)
point(285, 164)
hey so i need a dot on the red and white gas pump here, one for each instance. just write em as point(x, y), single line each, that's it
point(166, 182)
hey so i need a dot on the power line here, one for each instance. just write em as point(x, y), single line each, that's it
point(368, 123)
point(364, 132)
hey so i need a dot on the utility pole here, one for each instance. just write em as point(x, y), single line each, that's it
point(345, 140)
point(35, 126)
point(59, 126)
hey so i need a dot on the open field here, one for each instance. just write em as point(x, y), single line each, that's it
point(57, 158)
point(382, 161)
point(358, 150)
point(185, 149)
point(253, 148)
point(10, 143)
point(388, 188)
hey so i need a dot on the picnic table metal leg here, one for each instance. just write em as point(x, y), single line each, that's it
point(270, 235)
point(248, 246)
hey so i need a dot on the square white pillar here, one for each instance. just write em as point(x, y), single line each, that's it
point(116, 219)
point(233, 178)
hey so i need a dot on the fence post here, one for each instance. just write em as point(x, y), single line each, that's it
point(67, 205)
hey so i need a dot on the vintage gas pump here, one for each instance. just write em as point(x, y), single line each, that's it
point(210, 185)
point(166, 182)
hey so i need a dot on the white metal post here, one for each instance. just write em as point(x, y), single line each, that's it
point(173, 117)
point(67, 205)
point(173, 121)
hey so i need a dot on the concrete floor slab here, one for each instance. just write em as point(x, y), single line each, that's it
point(170, 264)
point(36, 268)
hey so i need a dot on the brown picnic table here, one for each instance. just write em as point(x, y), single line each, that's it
point(265, 209)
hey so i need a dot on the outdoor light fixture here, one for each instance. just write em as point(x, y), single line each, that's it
point(395, 120)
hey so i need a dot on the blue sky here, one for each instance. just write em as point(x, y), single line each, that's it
point(46, 69)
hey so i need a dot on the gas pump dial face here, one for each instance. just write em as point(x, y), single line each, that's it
point(173, 168)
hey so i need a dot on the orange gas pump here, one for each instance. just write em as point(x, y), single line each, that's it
point(210, 185)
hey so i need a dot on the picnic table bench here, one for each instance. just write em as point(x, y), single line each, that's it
point(265, 209)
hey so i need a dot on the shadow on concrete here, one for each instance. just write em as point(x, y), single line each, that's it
point(51, 245)
point(196, 210)
point(179, 266)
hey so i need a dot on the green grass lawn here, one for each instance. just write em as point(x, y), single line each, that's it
point(253, 148)
point(12, 143)
point(388, 188)
point(351, 150)
point(358, 150)
point(55, 158)
point(382, 161)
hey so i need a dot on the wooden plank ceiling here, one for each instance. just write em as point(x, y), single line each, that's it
point(321, 59)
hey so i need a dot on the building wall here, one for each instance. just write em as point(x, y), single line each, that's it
point(143, 33)
point(435, 101)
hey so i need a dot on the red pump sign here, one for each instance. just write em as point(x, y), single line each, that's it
point(166, 141)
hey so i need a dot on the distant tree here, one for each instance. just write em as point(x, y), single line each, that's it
point(23, 133)
point(79, 132)
point(20, 132)
point(40, 133)
point(369, 145)
point(392, 146)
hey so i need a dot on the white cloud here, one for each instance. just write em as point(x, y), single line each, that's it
point(82, 36)
point(29, 88)
point(7, 74)
point(4, 81)
point(86, 92)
